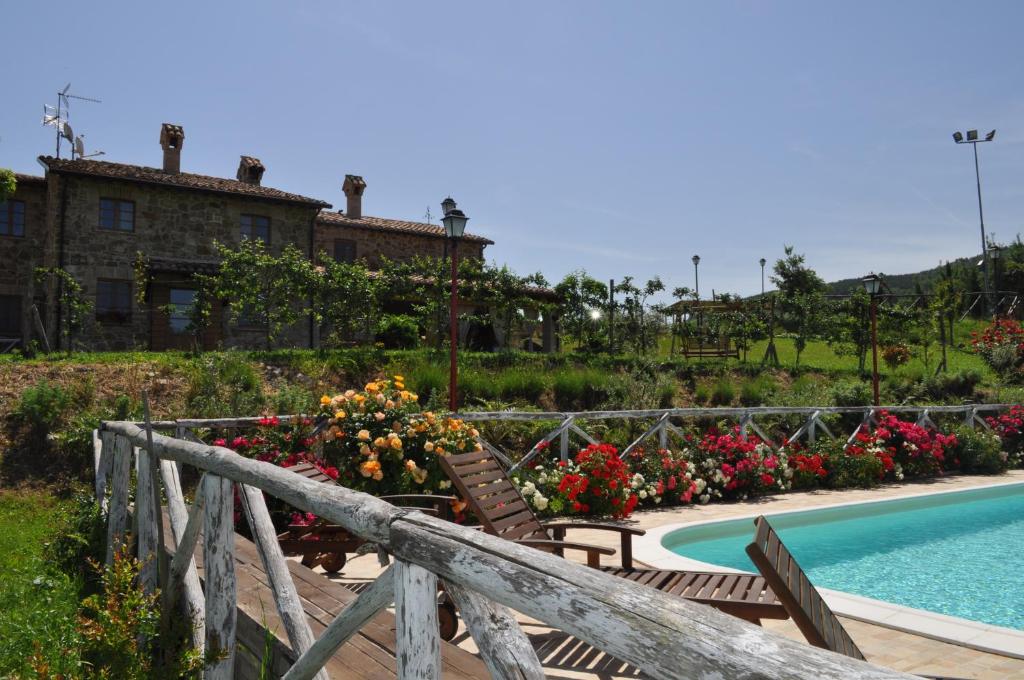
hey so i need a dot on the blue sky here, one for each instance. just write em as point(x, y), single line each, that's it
point(618, 137)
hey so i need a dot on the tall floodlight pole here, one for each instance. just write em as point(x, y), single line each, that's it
point(972, 139)
point(871, 284)
point(762, 262)
point(454, 221)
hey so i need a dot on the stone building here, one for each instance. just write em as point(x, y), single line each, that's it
point(351, 235)
point(93, 219)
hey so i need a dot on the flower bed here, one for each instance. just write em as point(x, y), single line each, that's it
point(375, 440)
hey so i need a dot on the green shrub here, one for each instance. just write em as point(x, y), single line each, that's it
point(757, 391)
point(845, 471)
point(851, 393)
point(476, 385)
point(580, 388)
point(979, 452)
point(520, 384)
point(702, 393)
point(82, 537)
point(223, 385)
point(958, 385)
point(398, 331)
point(723, 393)
point(293, 399)
point(429, 381)
point(43, 407)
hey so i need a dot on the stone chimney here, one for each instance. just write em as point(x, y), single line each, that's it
point(172, 138)
point(250, 170)
point(353, 187)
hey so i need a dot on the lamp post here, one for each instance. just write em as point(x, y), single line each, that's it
point(871, 283)
point(696, 278)
point(454, 221)
point(762, 262)
point(972, 139)
point(994, 253)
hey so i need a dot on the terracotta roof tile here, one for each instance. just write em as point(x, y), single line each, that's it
point(184, 180)
point(385, 224)
point(29, 179)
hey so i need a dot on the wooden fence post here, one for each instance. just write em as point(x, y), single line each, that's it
point(120, 480)
point(146, 512)
point(417, 636)
point(503, 646)
point(194, 607)
point(219, 570)
point(104, 468)
point(286, 597)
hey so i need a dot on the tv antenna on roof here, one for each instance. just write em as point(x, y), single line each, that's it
point(58, 117)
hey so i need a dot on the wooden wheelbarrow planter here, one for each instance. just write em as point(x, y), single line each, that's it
point(327, 545)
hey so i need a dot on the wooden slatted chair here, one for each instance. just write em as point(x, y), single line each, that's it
point(808, 609)
point(503, 511)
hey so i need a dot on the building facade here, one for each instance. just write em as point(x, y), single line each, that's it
point(96, 220)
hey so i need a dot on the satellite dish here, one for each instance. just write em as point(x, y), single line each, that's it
point(79, 146)
point(67, 133)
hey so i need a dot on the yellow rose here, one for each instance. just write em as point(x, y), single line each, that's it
point(325, 400)
point(370, 468)
point(350, 393)
point(372, 387)
point(396, 444)
point(398, 378)
point(428, 447)
point(365, 450)
point(380, 443)
point(389, 404)
point(364, 435)
point(410, 465)
point(474, 432)
point(340, 415)
point(399, 386)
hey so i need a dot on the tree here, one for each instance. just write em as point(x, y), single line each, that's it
point(506, 294)
point(581, 294)
point(8, 184)
point(801, 293)
point(634, 306)
point(75, 307)
point(345, 299)
point(267, 291)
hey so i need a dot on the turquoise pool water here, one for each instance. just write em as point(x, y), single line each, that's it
point(960, 554)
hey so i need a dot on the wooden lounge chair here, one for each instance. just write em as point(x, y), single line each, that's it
point(503, 511)
point(801, 599)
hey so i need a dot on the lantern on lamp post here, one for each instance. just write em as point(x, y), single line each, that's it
point(762, 262)
point(871, 284)
point(454, 222)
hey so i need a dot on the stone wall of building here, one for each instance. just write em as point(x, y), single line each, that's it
point(170, 224)
point(20, 255)
point(372, 245)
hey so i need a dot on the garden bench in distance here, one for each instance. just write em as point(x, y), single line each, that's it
point(503, 511)
point(805, 605)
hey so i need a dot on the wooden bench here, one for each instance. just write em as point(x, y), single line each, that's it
point(370, 654)
point(721, 349)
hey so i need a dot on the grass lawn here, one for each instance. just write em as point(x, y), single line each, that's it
point(38, 605)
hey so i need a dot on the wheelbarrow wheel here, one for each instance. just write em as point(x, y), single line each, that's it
point(334, 562)
point(448, 620)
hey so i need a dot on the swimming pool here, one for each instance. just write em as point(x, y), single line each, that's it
point(959, 553)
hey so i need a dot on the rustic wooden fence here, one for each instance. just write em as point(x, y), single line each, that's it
point(664, 637)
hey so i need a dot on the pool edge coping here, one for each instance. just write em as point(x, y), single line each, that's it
point(942, 627)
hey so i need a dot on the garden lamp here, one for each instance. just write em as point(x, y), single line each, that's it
point(972, 139)
point(454, 221)
point(871, 284)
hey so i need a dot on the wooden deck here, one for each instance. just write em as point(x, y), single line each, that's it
point(370, 654)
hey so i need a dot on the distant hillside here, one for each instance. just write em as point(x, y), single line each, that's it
point(905, 283)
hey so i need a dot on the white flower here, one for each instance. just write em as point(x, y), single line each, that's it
point(789, 472)
point(444, 484)
point(642, 494)
point(657, 499)
point(542, 479)
point(529, 489)
point(704, 499)
point(701, 485)
point(540, 502)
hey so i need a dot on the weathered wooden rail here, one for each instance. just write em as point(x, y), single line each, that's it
point(664, 637)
